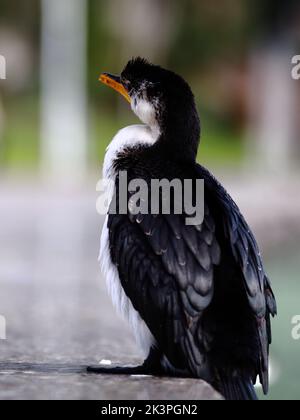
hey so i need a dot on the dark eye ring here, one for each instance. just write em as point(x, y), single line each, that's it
point(126, 84)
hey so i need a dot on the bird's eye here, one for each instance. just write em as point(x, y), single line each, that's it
point(126, 84)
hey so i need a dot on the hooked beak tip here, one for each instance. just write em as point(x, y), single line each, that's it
point(115, 83)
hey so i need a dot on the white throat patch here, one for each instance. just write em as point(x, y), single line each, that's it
point(145, 111)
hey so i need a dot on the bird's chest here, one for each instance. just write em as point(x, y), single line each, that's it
point(120, 300)
point(129, 137)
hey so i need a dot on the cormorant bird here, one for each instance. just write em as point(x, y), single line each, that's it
point(197, 297)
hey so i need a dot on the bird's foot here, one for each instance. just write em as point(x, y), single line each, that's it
point(120, 370)
point(150, 366)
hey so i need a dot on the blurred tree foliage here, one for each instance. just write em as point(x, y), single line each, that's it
point(209, 30)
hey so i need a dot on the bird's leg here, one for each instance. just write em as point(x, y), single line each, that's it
point(151, 366)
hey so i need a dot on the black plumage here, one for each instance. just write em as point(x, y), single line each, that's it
point(201, 290)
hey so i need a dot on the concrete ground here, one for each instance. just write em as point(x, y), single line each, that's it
point(58, 316)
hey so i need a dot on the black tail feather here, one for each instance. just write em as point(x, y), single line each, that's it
point(236, 388)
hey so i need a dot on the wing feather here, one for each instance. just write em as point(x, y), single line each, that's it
point(171, 271)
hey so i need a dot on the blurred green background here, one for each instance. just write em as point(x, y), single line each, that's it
point(210, 43)
point(56, 119)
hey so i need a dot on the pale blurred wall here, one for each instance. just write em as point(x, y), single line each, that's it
point(273, 95)
point(63, 90)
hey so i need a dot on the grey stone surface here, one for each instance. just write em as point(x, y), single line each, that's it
point(51, 381)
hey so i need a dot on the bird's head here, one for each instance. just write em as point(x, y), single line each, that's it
point(161, 99)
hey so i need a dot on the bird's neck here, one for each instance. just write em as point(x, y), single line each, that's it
point(180, 134)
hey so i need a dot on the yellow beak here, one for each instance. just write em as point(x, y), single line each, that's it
point(115, 83)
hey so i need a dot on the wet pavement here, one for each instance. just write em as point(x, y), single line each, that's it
point(58, 316)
